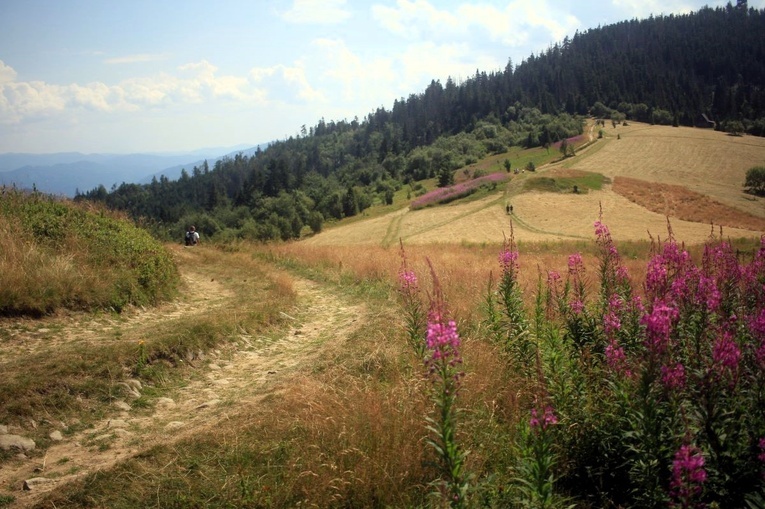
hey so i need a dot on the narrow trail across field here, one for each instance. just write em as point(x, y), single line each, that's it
point(222, 383)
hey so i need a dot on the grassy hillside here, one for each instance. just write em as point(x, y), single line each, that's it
point(57, 255)
point(695, 162)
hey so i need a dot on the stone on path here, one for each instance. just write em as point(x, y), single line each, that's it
point(121, 405)
point(208, 404)
point(8, 442)
point(56, 436)
point(165, 403)
point(117, 423)
point(37, 482)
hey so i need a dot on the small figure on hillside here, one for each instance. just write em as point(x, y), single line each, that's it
point(507, 208)
point(510, 209)
point(192, 237)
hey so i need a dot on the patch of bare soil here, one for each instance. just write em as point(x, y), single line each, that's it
point(677, 201)
point(222, 384)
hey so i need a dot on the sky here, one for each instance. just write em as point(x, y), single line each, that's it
point(108, 76)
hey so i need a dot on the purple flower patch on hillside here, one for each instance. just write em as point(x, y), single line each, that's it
point(447, 194)
point(571, 141)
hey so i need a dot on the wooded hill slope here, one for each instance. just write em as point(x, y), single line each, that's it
point(703, 68)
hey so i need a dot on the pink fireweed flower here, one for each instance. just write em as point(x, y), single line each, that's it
point(726, 354)
point(611, 321)
point(673, 377)
point(508, 259)
point(442, 337)
point(757, 325)
point(575, 264)
point(666, 273)
point(621, 273)
point(616, 358)
point(577, 306)
point(537, 422)
point(708, 293)
point(534, 421)
point(760, 355)
point(408, 280)
point(656, 277)
point(688, 475)
point(601, 230)
point(550, 417)
point(445, 194)
point(658, 326)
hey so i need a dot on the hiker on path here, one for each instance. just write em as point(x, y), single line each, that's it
point(192, 237)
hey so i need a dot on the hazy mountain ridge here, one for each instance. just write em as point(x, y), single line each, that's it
point(65, 173)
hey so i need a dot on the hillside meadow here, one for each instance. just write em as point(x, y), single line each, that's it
point(452, 356)
point(700, 161)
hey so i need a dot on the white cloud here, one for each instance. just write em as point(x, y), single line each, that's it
point(644, 8)
point(425, 61)
point(282, 80)
point(355, 76)
point(139, 58)
point(7, 73)
point(322, 12)
point(195, 83)
point(510, 26)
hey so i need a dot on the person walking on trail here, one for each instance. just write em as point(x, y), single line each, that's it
point(192, 237)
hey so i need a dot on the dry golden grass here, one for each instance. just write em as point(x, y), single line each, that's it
point(707, 162)
point(463, 270)
point(575, 215)
point(677, 201)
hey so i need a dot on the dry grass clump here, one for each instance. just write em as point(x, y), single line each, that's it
point(36, 279)
point(677, 201)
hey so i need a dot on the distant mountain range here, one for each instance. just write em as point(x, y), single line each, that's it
point(65, 173)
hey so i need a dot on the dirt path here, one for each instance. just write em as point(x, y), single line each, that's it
point(222, 384)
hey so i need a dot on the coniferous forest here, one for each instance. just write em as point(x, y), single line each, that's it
point(704, 69)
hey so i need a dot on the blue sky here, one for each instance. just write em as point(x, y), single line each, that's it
point(149, 76)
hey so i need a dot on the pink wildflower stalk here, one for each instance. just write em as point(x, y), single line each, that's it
point(553, 294)
point(667, 275)
point(413, 308)
point(726, 356)
point(576, 273)
point(542, 423)
point(617, 359)
point(688, 476)
point(611, 322)
point(613, 275)
point(443, 346)
point(658, 326)
point(673, 377)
